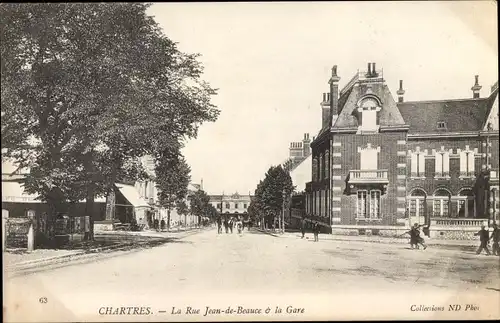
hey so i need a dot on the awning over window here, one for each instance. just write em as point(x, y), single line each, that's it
point(13, 192)
point(132, 195)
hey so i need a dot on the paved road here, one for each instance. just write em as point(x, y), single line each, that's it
point(330, 279)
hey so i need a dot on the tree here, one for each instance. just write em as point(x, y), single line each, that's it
point(199, 202)
point(89, 88)
point(273, 194)
point(172, 180)
point(183, 209)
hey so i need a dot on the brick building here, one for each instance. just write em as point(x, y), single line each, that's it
point(381, 163)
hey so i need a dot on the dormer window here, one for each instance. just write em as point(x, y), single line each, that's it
point(441, 125)
point(368, 107)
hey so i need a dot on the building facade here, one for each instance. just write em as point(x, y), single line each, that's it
point(382, 163)
point(231, 204)
point(138, 200)
point(298, 152)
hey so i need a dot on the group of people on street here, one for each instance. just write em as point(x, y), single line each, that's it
point(230, 223)
point(416, 240)
point(315, 228)
point(484, 239)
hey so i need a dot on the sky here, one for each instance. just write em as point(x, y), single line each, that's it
point(271, 63)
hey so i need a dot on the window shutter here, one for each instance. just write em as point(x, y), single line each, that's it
point(439, 163)
point(414, 162)
point(471, 162)
point(446, 163)
point(421, 162)
point(463, 162)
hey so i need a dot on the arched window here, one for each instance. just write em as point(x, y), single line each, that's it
point(466, 204)
point(441, 205)
point(416, 204)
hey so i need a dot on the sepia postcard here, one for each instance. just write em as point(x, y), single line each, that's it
point(250, 161)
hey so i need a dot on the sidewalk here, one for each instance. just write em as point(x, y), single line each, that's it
point(109, 241)
point(376, 239)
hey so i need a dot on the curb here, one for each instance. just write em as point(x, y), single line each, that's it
point(269, 233)
point(399, 241)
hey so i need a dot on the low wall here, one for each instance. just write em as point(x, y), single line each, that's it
point(359, 230)
point(437, 233)
point(106, 225)
point(445, 233)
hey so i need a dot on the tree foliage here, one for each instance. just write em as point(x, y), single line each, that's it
point(199, 204)
point(272, 194)
point(87, 89)
point(172, 180)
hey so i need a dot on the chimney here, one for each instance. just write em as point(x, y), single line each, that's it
point(334, 93)
point(476, 88)
point(325, 109)
point(374, 71)
point(201, 184)
point(400, 92)
point(306, 145)
point(369, 73)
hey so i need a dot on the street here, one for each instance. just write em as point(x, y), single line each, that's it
point(207, 269)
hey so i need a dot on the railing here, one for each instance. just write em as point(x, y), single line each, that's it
point(459, 222)
point(368, 176)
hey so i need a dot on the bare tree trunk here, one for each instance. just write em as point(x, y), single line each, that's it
point(168, 219)
point(89, 210)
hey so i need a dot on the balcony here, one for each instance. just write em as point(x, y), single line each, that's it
point(378, 176)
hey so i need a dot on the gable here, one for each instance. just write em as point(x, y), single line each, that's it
point(493, 115)
point(388, 116)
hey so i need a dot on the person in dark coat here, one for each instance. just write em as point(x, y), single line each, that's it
point(413, 236)
point(495, 236)
point(316, 231)
point(484, 237)
point(226, 224)
point(303, 224)
point(219, 225)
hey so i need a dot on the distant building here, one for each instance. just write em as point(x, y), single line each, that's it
point(298, 152)
point(381, 163)
point(231, 204)
point(137, 200)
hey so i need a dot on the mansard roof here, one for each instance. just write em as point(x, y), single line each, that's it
point(458, 115)
point(389, 115)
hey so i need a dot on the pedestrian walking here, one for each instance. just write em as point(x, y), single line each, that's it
point(316, 231)
point(219, 225)
point(495, 236)
point(239, 225)
point(484, 237)
point(415, 238)
point(303, 224)
point(231, 224)
point(226, 224)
